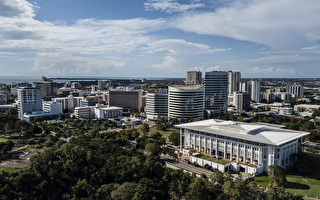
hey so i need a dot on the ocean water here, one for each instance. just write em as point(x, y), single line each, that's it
point(9, 79)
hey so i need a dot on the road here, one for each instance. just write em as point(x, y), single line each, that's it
point(188, 167)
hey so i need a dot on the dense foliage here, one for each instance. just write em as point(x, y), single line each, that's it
point(10, 124)
point(106, 166)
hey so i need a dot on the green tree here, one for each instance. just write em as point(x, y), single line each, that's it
point(277, 176)
point(174, 138)
point(144, 128)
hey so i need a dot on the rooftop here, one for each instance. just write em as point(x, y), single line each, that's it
point(256, 132)
point(187, 87)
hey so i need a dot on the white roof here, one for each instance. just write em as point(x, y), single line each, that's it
point(110, 108)
point(255, 132)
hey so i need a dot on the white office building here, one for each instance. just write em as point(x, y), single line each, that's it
point(243, 86)
point(111, 112)
point(216, 91)
point(29, 100)
point(245, 147)
point(185, 102)
point(297, 90)
point(52, 107)
point(241, 101)
point(157, 104)
point(233, 82)
point(255, 91)
point(87, 112)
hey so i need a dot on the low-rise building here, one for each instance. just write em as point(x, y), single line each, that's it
point(245, 147)
point(52, 107)
point(306, 107)
point(84, 112)
point(111, 112)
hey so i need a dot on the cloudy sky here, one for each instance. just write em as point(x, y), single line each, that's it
point(159, 38)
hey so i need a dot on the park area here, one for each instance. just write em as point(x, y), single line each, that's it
point(304, 179)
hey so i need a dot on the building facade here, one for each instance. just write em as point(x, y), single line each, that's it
point(157, 104)
point(84, 112)
point(129, 100)
point(112, 112)
point(29, 100)
point(216, 91)
point(255, 90)
point(297, 90)
point(241, 101)
point(52, 107)
point(185, 102)
point(48, 88)
point(194, 78)
point(246, 147)
point(233, 82)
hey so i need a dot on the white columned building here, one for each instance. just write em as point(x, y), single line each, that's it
point(246, 147)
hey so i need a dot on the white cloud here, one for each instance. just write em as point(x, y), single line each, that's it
point(180, 46)
point(171, 6)
point(278, 24)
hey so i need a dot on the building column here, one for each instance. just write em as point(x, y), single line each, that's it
point(181, 139)
point(210, 146)
point(259, 156)
point(245, 154)
point(237, 159)
point(205, 144)
point(251, 159)
point(225, 149)
point(231, 151)
point(216, 147)
point(199, 143)
point(194, 141)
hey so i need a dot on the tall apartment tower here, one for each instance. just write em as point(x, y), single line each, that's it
point(233, 82)
point(297, 90)
point(241, 101)
point(29, 100)
point(194, 78)
point(185, 102)
point(48, 88)
point(243, 86)
point(157, 104)
point(216, 91)
point(255, 90)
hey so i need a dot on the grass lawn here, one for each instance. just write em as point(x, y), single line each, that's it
point(296, 184)
point(165, 134)
point(205, 157)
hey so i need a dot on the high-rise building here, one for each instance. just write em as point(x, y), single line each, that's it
point(297, 90)
point(255, 90)
point(243, 86)
point(241, 101)
point(216, 91)
point(233, 82)
point(185, 102)
point(194, 78)
point(29, 100)
point(48, 88)
point(157, 104)
point(129, 100)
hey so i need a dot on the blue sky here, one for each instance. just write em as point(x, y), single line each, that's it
point(159, 38)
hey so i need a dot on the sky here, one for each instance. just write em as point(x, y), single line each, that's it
point(160, 38)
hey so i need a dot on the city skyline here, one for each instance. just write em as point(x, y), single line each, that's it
point(163, 38)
